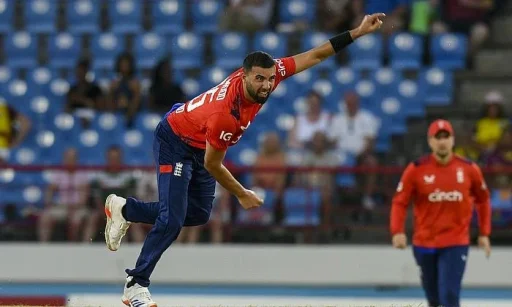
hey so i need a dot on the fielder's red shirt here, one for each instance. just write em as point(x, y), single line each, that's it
point(443, 197)
point(222, 114)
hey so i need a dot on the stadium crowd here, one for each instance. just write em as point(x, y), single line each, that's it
point(92, 111)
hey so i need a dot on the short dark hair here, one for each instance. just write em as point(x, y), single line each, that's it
point(259, 59)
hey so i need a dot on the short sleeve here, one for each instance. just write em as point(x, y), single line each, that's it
point(220, 128)
point(285, 68)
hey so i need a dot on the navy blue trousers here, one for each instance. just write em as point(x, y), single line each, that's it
point(442, 271)
point(185, 196)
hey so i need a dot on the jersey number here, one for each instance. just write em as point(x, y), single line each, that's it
point(200, 100)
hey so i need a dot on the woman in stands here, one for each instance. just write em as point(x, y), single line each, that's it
point(125, 90)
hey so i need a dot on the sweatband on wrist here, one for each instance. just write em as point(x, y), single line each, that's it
point(341, 41)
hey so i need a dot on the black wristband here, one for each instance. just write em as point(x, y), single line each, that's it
point(341, 41)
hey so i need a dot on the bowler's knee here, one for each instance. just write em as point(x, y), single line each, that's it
point(199, 218)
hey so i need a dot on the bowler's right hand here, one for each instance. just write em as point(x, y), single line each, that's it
point(399, 240)
point(250, 200)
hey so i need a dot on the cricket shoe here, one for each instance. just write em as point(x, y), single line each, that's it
point(117, 225)
point(135, 295)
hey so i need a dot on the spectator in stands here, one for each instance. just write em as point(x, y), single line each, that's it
point(502, 154)
point(501, 201)
point(319, 155)
point(113, 180)
point(467, 147)
point(338, 15)
point(492, 123)
point(270, 155)
point(84, 96)
point(220, 215)
point(65, 199)
point(247, 15)
point(354, 132)
point(14, 127)
point(125, 90)
point(471, 17)
point(164, 93)
point(313, 120)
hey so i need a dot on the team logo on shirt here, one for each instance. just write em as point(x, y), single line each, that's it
point(460, 175)
point(429, 179)
point(178, 169)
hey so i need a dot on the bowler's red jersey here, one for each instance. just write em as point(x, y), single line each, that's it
point(222, 114)
point(444, 197)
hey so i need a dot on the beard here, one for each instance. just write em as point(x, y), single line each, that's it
point(442, 153)
point(254, 95)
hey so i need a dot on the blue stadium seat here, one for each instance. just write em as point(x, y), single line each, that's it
point(406, 51)
point(125, 16)
point(313, 39)
point(23, 156)
point(437, 86)
point(386, 80)
point(39, 78)
point(40, 16)
point(57, 92)
point(21, 50)
point(367, 92)
point(109, 124)
point(105, 48)
point(149, 49)
point(168, 16)
point(230, 49)
point(329, 92)
point(301, 82)
point(187, 50)
point(449, 50)
point(275, 44)
point(6, 75)
point(366, 52)
point(205, 15)
point(291, 11)
point(191, 88)
point(409, 93)
point(66, 127)
point(39, 111)
point(49, 147)
point(64, 50)
point(212, 76)
point(135, 152)
point(17, 95)
point(301, 207)
point(6, 15)
point(263, 215)
point(92, 147)
point(83, 16)
point(393, 113)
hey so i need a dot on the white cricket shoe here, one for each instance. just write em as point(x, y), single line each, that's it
point(116, 224)
point(135, 295)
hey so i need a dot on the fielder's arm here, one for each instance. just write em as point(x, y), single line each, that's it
point(401, 200)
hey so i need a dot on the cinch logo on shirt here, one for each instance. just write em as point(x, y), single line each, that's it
point(439, 196)
point(280, 67)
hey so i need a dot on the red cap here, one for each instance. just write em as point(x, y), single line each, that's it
point(438, 126)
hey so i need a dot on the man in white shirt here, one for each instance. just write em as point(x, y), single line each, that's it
point(354, 131)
